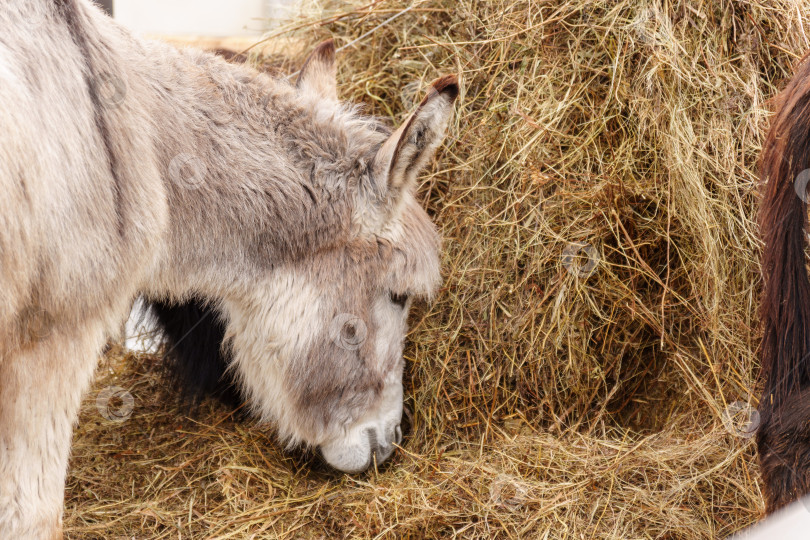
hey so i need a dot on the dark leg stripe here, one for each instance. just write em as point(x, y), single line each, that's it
point(69, 12)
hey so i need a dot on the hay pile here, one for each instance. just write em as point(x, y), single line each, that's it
point(597, 197)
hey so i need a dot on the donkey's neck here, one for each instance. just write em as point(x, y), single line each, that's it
point(254, 177)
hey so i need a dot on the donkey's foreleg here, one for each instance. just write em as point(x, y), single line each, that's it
point(41, 385)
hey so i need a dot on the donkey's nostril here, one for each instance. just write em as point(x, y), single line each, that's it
point(373, 444)
point(397, 435)
point(382, 450)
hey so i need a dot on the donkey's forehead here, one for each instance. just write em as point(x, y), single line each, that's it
point(356, 133)
point(413, 266)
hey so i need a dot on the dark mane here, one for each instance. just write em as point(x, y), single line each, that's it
point(196, 360)
point(785, 311)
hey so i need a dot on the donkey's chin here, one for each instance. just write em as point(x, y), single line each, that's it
point(364, 446)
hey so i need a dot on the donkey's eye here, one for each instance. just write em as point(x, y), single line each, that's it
point(399, 299)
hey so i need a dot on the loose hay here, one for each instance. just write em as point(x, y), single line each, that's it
point(549, 399)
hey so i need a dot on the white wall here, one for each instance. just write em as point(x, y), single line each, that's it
point(218, 18)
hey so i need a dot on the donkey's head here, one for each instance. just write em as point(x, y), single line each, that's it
point(320, 354)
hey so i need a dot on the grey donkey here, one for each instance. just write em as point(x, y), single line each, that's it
point(270, 213)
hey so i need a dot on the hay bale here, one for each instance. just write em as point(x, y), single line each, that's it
point(598, 321)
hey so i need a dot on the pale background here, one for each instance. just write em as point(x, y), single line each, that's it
point(214, 18)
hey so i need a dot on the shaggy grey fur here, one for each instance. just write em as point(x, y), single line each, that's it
point(128, 167)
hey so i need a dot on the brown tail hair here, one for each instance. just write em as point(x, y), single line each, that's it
point(785, 170)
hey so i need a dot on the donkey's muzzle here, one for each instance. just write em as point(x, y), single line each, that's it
point(363, 447)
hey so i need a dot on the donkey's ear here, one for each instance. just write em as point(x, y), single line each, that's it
point(410, 148)
point(318, 73)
